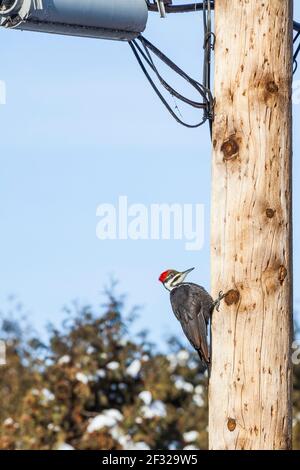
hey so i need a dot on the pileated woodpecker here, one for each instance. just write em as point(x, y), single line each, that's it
point(192, 306)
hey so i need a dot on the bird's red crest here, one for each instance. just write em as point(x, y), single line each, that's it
point(164, 276)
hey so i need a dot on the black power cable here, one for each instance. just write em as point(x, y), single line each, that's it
point(143, 55)
point(209, 44)
point(169, 8)
point(296, 38)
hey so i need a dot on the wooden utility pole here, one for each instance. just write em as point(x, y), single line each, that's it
point(250, 385)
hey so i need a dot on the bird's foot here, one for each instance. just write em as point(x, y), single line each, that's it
point(218, 301)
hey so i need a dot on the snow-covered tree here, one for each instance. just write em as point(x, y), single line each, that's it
point(94, 386)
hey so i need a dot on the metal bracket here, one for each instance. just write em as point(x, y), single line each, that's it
point(161, 7)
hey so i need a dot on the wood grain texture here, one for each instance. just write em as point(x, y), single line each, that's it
point(250, 384)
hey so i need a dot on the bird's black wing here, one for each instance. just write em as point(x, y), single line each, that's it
point(192, 306)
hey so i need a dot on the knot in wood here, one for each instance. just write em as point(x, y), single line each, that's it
point(282, 273)
point(272, 87)
point(232, 297)
point(231, 424)
point(230, 149)
point(270, 213)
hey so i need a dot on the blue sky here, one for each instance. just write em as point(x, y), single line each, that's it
point(81, 127)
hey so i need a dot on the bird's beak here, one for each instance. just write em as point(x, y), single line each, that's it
point(185, 273)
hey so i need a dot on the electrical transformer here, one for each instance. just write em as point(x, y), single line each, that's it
point(106, 19)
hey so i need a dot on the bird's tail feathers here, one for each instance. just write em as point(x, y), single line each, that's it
point(205, 361)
